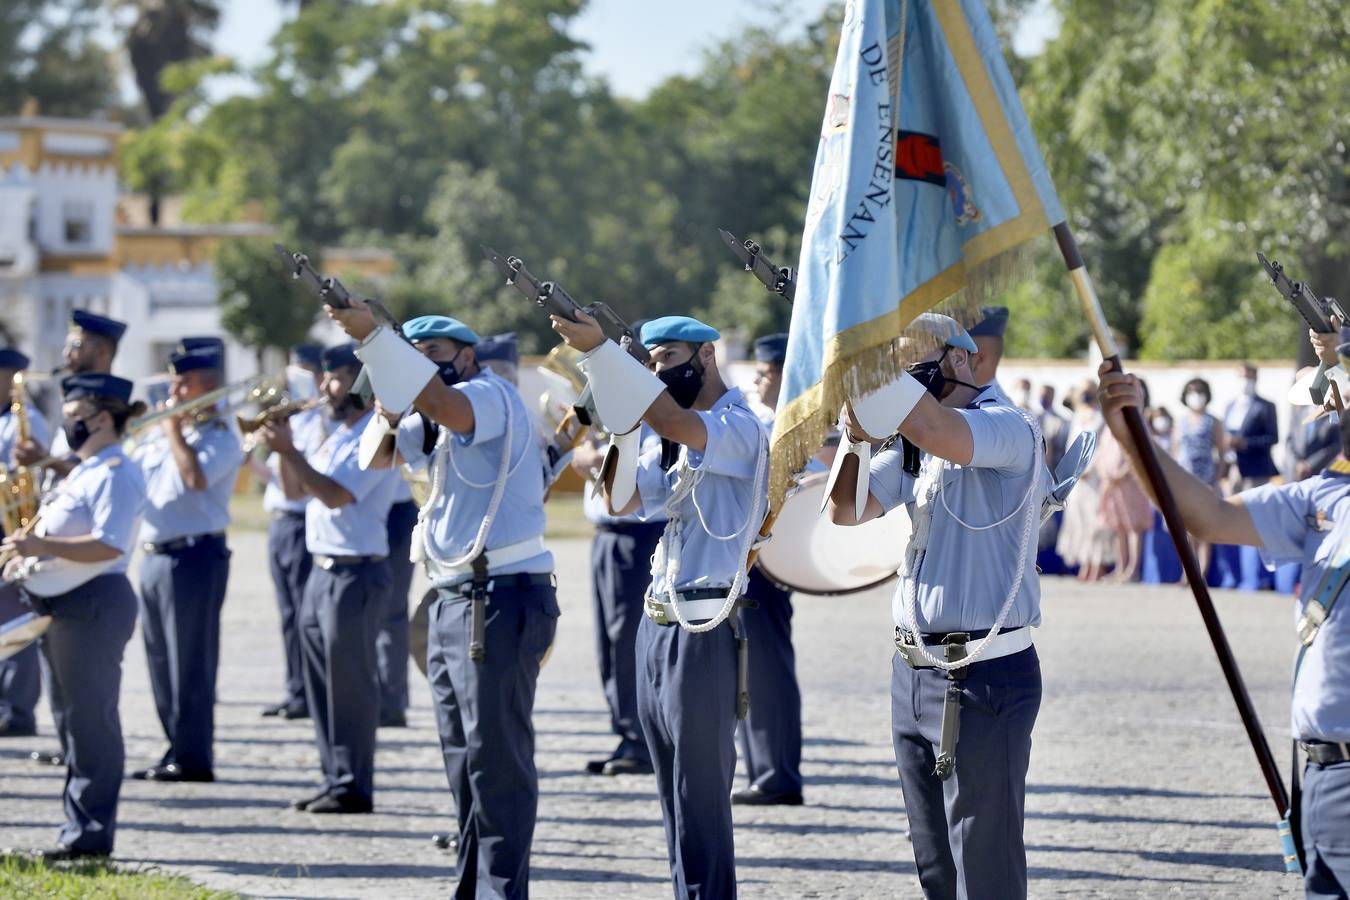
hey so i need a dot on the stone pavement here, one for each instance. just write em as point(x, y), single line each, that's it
point(1142, 784)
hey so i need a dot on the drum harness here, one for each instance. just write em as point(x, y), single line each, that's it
point(957, 659)
point(476, 557)
point(667, 561)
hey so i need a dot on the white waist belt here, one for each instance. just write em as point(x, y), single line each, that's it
point(693, 610)
point(1005, 643)
point(442, 574)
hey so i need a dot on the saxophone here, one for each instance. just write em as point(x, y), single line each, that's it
point(19, 493)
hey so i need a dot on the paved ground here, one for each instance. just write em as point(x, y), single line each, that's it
point(1141, 781)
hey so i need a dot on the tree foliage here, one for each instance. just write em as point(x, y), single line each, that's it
point(48, 53)
point(258, 306)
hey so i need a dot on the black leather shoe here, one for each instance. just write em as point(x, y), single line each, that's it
point(275, 709)
point(330, 804)
point(398, 720)
point(597, 766)
point(174, 773)
point(294, 712)
point(44, 758)
point(755, 796)
point(305, 803)
point(445, 842)
point(625, 765)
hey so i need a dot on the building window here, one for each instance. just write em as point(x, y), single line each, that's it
point(79, 219)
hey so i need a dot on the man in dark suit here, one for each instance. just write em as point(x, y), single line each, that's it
point(1310, 446)
point(1252, 431)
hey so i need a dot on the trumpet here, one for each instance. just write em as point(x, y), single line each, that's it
point(201, 409)
point(19, 486)
point(250, 425)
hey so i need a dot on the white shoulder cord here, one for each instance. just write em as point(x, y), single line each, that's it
point(1029, 527)
point(443, 450)
point(668, 552)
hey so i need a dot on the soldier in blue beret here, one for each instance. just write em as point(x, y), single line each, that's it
point(88, 522)
point(20, 678)
point(190, 469)
point(690, 641)
point(481, 538)
point(771, 735)
point(347, 592)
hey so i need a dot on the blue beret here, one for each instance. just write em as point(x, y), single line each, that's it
point(993, 323)
point(677, 328)
point(945, 329)
point(772, 348)
point(11, 358)
point(84, 320)
point(340, 356)
point(188, 344)
point(424, 327)
point(193, 360)
point(308, 354)
point(499, 347)
point(95, 384)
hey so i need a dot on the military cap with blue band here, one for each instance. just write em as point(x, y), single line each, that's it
point(10, 358)
point(194, 360)
point(498, 347)
point(93, 323)
point(340, 356)
point(188, 344)
point(677, 328)
point(426, 327)
point(308, 354)
point(994, 323)
point(772, 348)
point(96, 385)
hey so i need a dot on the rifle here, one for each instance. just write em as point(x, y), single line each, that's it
point(552, 298)
point(780, 280)
point(330, 292)
point(1316, 311)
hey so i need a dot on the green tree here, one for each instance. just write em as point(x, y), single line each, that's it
point(48, 53)
point(259, 305)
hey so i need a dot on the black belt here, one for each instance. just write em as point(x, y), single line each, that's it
point(288, 514)
point(325, 562)
point(941, 637)
point(629, 527)
point(517, 580)
point(1324, 752)
point(181, 543)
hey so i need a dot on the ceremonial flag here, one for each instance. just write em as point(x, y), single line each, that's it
point(927, 168)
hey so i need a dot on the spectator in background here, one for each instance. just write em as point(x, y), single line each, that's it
point(1251, 430)
point(1083, 540)
point(1022, 395)
point(1123, 507)
point(1311, 445)
point(1199, 446)
point(1054, 427)
point(1160, 426)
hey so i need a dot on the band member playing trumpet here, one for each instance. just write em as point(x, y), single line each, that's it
point(347, 590)
point(190, 470)
point(481, 536)
point(91, 518)
point(20, 678)
point(689, 646)
point(286, 551)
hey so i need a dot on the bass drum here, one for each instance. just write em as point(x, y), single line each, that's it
point(809, 554)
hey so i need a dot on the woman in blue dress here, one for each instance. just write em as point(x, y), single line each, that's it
point(1199, 445)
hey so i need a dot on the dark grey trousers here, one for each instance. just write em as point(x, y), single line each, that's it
point(687, 706)
point(484, 715)
point(20, 675)
point(290, 562)
point(82, 652)
point(771, 735)
point(182, 593)
point(338, 619)
point(967, 831)
point(1326, 830)
point(391, 640)
point(621, 565)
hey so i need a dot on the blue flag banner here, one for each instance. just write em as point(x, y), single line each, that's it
point(927, 169)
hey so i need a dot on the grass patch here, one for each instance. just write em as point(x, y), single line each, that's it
point(21, 877)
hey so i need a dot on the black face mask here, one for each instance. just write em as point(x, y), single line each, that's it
point(684, 381)
point(449, 374)
point(931, 376)
point(76, 432)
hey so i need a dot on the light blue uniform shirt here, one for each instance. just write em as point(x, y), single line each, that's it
point(1286, 518)
point(172, 511)
point(961, 577)
point(308, 430)
point(715, 517)
point(359, 528)
point(9, 432)
point(471, 475)
point(102, 497)
point(596, 507)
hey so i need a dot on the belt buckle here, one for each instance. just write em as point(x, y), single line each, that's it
point(906, 645)
point(656, 610)
point(325, 562)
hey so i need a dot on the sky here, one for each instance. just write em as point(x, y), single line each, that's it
point(635, 44)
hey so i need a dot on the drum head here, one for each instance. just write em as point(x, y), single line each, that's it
point(18, 633)
point(417, 631)
point(810, 554)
